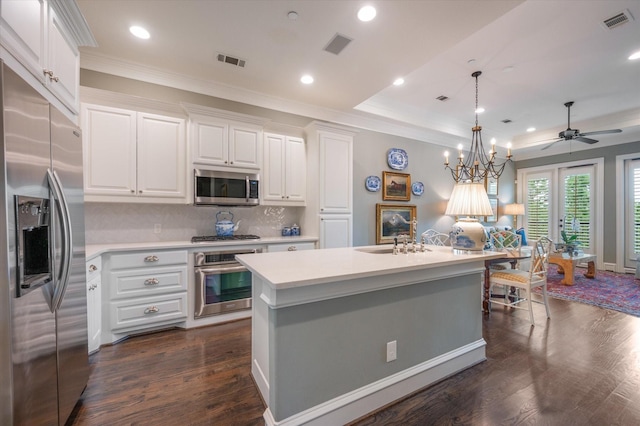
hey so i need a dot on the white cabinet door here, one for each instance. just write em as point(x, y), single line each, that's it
point(336, 173)
point(295, 171)
point(272, 172)
point(335, 231)
point(63, 64)
point(161, 156)
point(109, 136)
point(211, 144)
point(244, 146)
point(22, 32)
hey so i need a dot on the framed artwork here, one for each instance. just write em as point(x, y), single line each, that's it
point(494, 207)
point(396, 186)
point(394, 220)
point(491, 185)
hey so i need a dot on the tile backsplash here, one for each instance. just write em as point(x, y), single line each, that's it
point(107, 223)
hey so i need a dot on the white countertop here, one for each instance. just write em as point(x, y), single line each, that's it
point(94, 250)
point(303, 268)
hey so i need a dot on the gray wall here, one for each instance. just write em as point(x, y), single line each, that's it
point(609, 154)
point(370, 158)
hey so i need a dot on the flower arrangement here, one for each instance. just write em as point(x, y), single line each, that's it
point(571, 241)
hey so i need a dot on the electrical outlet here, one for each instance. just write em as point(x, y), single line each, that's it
point(392, 352)
point(157, 228)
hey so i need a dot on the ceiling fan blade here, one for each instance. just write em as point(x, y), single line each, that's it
point(551, 144)
point(601, 132)
point(585, 140)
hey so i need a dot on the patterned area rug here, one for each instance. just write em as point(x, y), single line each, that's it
point(620, 292)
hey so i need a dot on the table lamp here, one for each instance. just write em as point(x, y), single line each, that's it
point(515, 210)
point(470, 199)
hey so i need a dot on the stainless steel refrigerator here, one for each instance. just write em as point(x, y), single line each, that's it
point(43, 311)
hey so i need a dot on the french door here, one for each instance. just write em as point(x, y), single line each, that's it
point(564, 197)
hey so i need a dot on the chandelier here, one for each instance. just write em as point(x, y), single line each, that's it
point(477, 164)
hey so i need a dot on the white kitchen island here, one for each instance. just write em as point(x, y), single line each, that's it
point(324, 323)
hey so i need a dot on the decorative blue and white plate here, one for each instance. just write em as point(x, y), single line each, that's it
point(417, 188)
point(397, 159)
point(372, 183)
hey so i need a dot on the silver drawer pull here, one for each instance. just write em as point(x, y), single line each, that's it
point(93, 268)
point(151, 310)
point(151, 259)
point(151, 281)
point(292, 248)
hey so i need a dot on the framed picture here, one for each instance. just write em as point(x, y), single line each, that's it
point(491, 185)
point(494, 207)
point(396, 186)
point(394, 220)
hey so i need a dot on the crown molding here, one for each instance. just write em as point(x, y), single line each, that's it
point(69, 13)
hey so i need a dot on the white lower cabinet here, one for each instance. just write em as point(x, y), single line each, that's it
point(271, 248)
point(146, 290)
point(94, 301)
point(335, 230)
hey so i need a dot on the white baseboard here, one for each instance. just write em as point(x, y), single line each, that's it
point(355, 404)
point(610, 267)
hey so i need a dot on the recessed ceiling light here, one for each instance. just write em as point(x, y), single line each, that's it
point(531, 129)
point(293, 15)
point(635, 56)
point(366, 13)
point(398, 81)
point(479, 110)
point(306, 79)
point(139, 32)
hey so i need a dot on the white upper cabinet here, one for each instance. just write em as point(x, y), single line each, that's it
point(133, 156)
point(224, 143)
point(336, 172)
point(284, 170)
point(45, 40)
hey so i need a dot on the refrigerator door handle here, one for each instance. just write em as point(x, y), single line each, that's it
point(65, 262)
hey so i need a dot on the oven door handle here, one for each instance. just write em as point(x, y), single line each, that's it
point(219, 269)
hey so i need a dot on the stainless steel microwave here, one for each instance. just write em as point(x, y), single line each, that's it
point(226, 188)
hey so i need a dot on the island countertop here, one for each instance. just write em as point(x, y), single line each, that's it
point(304, 268)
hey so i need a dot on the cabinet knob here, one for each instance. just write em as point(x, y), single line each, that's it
point(151, 310)
point(140, 191)
point(133, 191)
point(93, 268)
point(151, 281)
point(292, 248)
point(151, 259)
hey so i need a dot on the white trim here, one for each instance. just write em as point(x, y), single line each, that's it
point(355, 404)
point(620, 194)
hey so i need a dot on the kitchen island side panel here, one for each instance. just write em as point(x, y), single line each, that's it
point(322, 350)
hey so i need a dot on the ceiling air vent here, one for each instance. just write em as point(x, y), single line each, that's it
point(337, 44)
point(617, 20)
point(231, 60)
point(442, 98)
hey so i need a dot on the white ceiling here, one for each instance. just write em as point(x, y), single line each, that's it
point(557, 51)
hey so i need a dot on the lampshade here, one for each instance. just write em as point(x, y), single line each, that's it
point(514, 209)
point(470, 199)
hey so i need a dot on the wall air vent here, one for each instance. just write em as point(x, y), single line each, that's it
point(617, 20)
point(337, 44)
point(231, 60)
point(506, 120)
point(442, 98)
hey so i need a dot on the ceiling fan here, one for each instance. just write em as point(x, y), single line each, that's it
point(574, 134)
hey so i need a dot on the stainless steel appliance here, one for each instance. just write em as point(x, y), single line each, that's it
point(222, 283)
point(225, 188)
point(43, 312)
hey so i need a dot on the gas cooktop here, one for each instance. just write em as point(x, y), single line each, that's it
point(209, 238)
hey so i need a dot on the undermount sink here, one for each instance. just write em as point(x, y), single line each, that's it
point(376, 250)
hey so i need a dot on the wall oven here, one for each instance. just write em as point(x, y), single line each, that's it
point(222, 284)
point(225, 188)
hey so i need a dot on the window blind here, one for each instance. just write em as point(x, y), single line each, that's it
point(577, 207)
point(537, 208)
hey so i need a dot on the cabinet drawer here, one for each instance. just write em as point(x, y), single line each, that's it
point(271, 248)
point(142, 313)
point(147, 281)
point(94, 268)
point(150, 258)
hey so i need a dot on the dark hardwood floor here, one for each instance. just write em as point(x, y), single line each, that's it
point(581, 367)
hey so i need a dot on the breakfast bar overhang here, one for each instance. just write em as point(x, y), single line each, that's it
point(327, 324)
